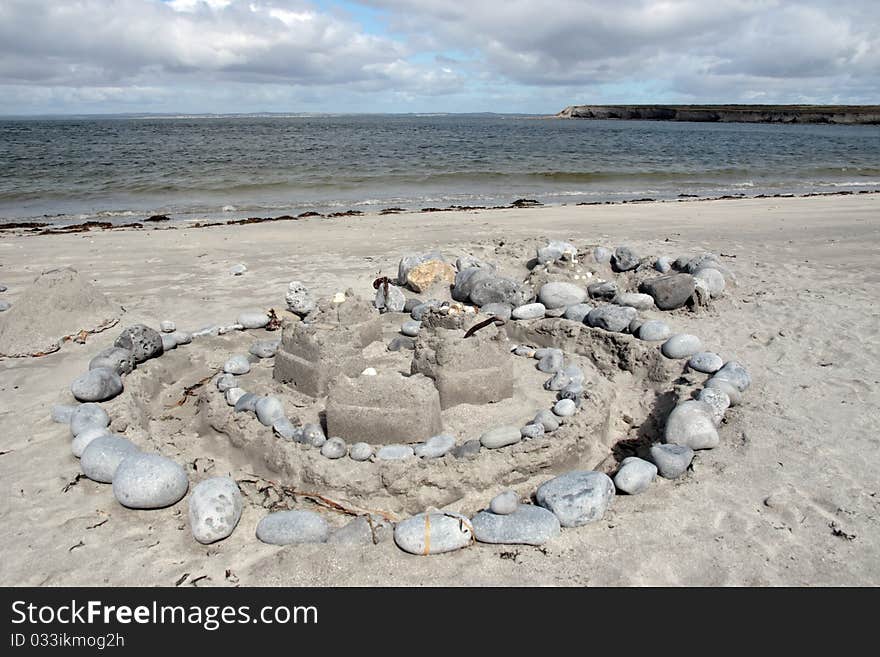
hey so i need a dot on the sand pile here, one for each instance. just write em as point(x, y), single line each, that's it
point(60, 305)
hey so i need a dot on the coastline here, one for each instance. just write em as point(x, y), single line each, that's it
point(788, 499)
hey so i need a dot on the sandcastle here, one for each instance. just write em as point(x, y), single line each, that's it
point(545, 385)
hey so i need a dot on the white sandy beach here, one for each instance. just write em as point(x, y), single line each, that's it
point(790, 497)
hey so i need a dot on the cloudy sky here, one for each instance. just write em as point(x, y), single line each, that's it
point(110, 56)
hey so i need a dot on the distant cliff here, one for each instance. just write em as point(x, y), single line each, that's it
point(840, 114)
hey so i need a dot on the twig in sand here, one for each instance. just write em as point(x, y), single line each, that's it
point(73, 482)
point(73, 547)
point(189, 391)
point(79, 337)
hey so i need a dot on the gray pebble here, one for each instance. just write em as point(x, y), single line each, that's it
point(86, 416)
point(654, 330)
point(214, 509)
point(363, 530)
point(558, 381)
point(238, 270)
point(734, 396)
point(62, 413)
point(396, 300)
point(182, 337)
point(226, 381)
point(551, 362)
point(496, 289)
point(554, 312)
point(84, 439)
point(402, 342)
point(718, 400)
point(532, 431)
point(313, 435)
point(168, 342)
point(672, 461)
point(299, 299)
point(547, 420)
point(577, 497)
point(149, 481)
point(501, 310)
point(611, 318)
point(670, 291)
point(561, 294)
point(360, 452)
point(394, 452)
point(556, 250)
point(681, 345)
point(705, 361)
point(736, 374)
point(167, 326)
point(334, 448)
point(524, 350)
point(500, 437)
point(117, 359)
point(103, 455)
point(691, 424)
point(253, 320)
point(529, 311)
point(624, 259)
point(289, 527)
point(97, 385)
point(142, 341)
point(418, 313)
point(635, 300)
point(662, 264)
point(635, 475)
point(4, 306)
point(238, 364)
point(268, 409)
point(565, 408)
point(504, 503)
point(527, 525)
point(713, 279)
point(246, 402)
point(233, 395)
point(286, 429)
point(468, 449)
point(573, 391)
point(433, 534)
point(602, 255)
point(577, 312)
point(435, 447)
point(603, 290)
point(411, 328)
point(264, 348)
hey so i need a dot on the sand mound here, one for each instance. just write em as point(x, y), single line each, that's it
point(58, 306)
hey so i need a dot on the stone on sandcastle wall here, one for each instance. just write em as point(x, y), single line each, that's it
point(385, 408)
point(354, 313)
point(314, 354)
point(474, 370)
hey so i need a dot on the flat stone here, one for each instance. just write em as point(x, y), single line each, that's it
point(691, 424)
point(84, 438)
point(565, 408)
point(334, 448)
point(669, 291)
point(495, 289)
point(554, 312)
point(718, 400)
point(289, 527)
point(238, 364)
point(182, 337)
point(142, 341)
point(611, 318)
point(97, 385)
point(411, 329)
point(62, 413)
point(635, 300)
point(552, 361)
point(101, 458)
point(654, 330)
point(286, 429)
point(736, 374)
point(360, 452)
point(681, 345)
point(86, 416)
point(167, 326)
point(435, 447)
point(168, 342)
point(468, 449)
point(433, 533)
point(394, 452)
point(419, 310)
point(504, 503)
point(733, 393)
point(253, 320)
point(527, 525)
point(214, 509)
point(268, 409)
point(395, 302)
point(402, 342)
point(706, 362)
point(603, 290)
point(529, 311)
point(577, 312)
point(299, 300)
point(532, 431)
point(149, 481)
point(501, 310)
point(577, 497)
point(117, 359)
point(264, 348)
point(500, 437)
point(238, 270)
point(233, 395)
point(560, 294)
point(602, 255)
point(672, 461)
point(635, 475)
point(547, 420)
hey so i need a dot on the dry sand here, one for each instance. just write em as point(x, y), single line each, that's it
point(792, 495)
